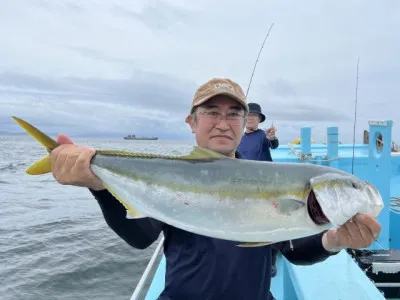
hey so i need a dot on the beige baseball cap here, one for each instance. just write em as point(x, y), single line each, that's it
point(219, 86)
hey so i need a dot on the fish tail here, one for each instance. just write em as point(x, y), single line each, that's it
point(43, 165)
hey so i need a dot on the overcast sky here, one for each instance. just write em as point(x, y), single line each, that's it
point(119, 67)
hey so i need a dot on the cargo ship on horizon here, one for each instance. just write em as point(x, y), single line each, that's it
point(143, 138)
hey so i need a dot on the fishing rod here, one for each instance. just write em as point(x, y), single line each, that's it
point(354, 136)
point(259, 53)
point(393, 199)
point(355, 118)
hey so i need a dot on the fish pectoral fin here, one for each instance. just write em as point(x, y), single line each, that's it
point(199, 153)
point(255, 244)
point(131, 213)
point(289, 205)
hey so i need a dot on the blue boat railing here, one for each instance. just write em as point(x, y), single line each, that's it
point(148, 274)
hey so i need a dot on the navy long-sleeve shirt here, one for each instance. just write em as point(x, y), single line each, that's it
point(200, 267)
point(256, 146)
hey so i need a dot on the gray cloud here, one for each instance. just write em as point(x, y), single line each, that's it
point(282, 87)
point(150, 104)
point(52, 6)
point(141, 90)
point(156, 15)
point(98, 55)
point(126, 67)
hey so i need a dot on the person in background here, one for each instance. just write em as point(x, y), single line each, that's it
point(255, 145)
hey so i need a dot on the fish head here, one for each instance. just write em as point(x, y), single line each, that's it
point(342, 196)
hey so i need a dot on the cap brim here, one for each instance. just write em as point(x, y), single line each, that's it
point(234, 97)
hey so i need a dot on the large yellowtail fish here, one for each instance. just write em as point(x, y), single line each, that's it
point(204, 192)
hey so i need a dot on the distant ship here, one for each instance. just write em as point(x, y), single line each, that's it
point(143, 138)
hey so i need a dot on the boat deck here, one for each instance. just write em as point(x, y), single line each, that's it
point(337, 278)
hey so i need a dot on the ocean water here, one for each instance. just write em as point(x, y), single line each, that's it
point(54, 241)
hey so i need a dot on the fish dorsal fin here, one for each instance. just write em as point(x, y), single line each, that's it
point(199, 153)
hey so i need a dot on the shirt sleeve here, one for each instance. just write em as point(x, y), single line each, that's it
point(274, 143)
point(304, 251)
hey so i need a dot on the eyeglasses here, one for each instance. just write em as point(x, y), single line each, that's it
point(232, 118)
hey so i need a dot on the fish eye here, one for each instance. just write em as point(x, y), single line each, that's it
point(353, 185)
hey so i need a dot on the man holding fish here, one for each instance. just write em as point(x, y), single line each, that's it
point(198, 266)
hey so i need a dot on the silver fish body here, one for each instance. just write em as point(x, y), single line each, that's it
point(232, 199)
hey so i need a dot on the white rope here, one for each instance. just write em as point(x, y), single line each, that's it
point(308, 157)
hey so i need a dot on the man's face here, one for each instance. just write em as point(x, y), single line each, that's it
point(253, 120)
point(215, 132)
